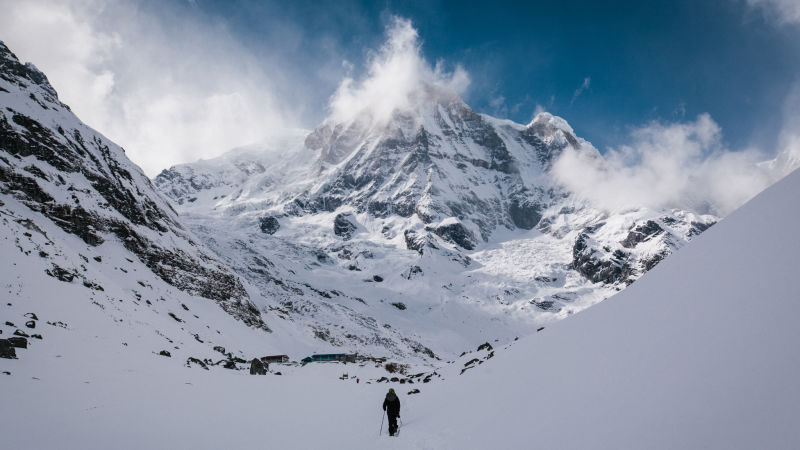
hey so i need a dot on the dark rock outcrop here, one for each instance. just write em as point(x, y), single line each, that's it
point(18, 342)
point(344, 225)
point(699, 227)
point(597, 268)
point(642, 233)
point(258, 367)
point(415, 241)
point(524, 213)
point(269, 224)
point(456, 233)
point(7, 349)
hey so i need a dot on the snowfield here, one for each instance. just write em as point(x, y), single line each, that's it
point(699, 353)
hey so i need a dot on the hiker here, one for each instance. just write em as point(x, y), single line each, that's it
point(392, 407)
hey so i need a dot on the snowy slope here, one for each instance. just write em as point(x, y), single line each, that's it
point(684, 358)
point(700, 353)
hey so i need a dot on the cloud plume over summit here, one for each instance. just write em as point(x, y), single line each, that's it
point(396, 76)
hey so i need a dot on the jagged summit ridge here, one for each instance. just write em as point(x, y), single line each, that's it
point(426, 162)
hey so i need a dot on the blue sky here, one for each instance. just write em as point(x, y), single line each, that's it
point(604, 66)
point(175, 81)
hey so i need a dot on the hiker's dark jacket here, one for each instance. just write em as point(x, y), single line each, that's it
point(391, 405)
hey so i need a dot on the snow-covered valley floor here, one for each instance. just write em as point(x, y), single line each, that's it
point(699, 353)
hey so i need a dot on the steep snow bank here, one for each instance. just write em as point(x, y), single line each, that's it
point(699, 353)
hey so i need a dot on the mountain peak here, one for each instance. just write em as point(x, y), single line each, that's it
point(552, 129)
point(545, 119)
point(11, 68)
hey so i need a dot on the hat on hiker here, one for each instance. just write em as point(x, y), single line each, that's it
point(391, 391)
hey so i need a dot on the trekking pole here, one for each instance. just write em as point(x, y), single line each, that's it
point(381, 430)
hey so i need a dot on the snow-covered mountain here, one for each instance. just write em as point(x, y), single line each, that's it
point(444, 223)
point(84, 230)
point(696, 354)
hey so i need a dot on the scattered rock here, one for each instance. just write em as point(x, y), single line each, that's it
point(471, 361)
point(193, 360)
point(10, 324)
point(377, 278)
point(544, 305)
point(412, 272)
point(165, 353)
point(178, 319)
point(485, 346)
point(31, 316)
point(399, 305)
point(257, 367)
point(20, 333)
point(36, 336)
point(60, 273)
point(30, 324)
point(7, 349)
point(413, 391)
point(18, 342)
point(229, 364)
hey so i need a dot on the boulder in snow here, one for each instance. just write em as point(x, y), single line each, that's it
point(269, 224)
point(344, 225)
point(257, 367)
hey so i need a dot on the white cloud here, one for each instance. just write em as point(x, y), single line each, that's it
point(783, 11)
point(668, 165)
point(789, 137)
point(168, 90)
point(585, 85)
point(397, 77)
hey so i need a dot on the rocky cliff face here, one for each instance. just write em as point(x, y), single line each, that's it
point(439, 162)
point(83, 183)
